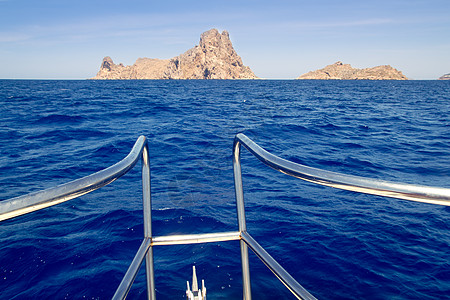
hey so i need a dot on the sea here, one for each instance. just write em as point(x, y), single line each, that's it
point(337, 244)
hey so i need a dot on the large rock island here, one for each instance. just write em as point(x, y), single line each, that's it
point(339, 70)
point(213, 58)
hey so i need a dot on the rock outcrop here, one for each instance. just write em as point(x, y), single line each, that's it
point(445, 77)
point(339, 70)
point(213, 58)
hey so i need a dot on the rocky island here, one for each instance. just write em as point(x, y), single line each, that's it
point(213, 58)
point(339, 70)
point(445, 77)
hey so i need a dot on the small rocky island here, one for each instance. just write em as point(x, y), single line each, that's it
point(445, 77)
point(213, 58)
point(339, 70)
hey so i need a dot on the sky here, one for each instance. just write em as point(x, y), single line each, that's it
point(278, 39)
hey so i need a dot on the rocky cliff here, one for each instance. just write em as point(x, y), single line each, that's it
point(213, 58)
point(445, 77)
point(339, 70)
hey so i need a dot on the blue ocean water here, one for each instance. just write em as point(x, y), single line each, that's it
point(337, 244)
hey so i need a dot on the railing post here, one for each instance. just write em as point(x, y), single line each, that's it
point(147, 203)
point(241, 218)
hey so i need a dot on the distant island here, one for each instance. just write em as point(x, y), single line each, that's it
point(445, 77)
point(213, 58)
point(339, 70)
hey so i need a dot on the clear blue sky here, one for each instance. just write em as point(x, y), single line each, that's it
point(67, 39)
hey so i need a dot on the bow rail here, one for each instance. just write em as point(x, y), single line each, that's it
point(426, 194)
point(38, 200)
point(49, 197)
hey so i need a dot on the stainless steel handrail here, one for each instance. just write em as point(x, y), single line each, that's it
point(299, 291)
point(38, 200)
point(35, 201)
point(433, 195)
point(42, 199)
point(133, 269)
point(247, 241)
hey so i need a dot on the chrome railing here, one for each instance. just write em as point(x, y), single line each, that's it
point(425, 194)
point(433, 195)
point(39, 200)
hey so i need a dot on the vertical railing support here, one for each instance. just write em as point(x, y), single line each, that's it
point(241, 219)
point(147, 203)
